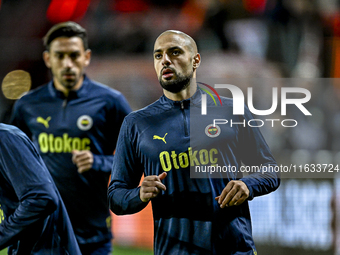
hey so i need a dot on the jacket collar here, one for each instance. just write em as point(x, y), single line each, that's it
point(194, 100)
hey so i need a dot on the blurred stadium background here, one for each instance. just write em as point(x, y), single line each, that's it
point(258, 43)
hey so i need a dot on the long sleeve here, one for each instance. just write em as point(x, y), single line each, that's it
point(25, 176)
point(17, 119)
point(123, 192)
point(255, 152)
point(117, 112)
point(102, 163)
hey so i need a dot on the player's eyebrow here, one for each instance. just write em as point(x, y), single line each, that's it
point(169, 49)
point(66, 52)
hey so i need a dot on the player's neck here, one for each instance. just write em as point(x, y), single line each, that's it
point(183, 94)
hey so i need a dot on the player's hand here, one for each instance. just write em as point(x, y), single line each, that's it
point(235, 193)
point(151, 186)
point(83, 160)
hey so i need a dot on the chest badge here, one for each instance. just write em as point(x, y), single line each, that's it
point(84, 122)
point(212, 131)
point(155, 137)
point(44, 121)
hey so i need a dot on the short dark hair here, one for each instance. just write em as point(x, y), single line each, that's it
point(65, 29)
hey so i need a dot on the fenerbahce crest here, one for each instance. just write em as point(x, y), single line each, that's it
point(212, 131)
point(84, 122)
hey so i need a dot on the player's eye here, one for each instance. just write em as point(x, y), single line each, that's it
point(59, 55)
point(175, 52)
point(74, 56)
point(158, 56)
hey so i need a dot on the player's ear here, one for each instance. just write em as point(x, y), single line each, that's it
point(46, 57)
point(87, 57)
point(197, 61)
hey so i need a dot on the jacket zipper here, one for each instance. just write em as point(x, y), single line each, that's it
point(64, 108)
point(186, 131)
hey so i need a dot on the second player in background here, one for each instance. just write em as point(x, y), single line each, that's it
point(74, 121)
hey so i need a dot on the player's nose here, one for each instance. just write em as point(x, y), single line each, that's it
point(67, 61)
point(166, 59)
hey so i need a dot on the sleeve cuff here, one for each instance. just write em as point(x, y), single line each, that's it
point(251, 191)
point(96, 163)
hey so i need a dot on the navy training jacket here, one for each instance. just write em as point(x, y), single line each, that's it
point(173, 136)
point(88, 119)
point(33, 218)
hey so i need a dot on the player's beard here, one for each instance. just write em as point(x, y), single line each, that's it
point(176, 85)
point(69, 84)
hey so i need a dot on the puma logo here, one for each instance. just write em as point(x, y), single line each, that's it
point(160, 138)
point(43, 121)
point(2, 215)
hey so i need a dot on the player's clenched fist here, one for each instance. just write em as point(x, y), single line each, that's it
point(83, 160)
point(235, 193)
point(151, 186)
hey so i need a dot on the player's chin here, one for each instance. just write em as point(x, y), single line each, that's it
point(69, 84)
